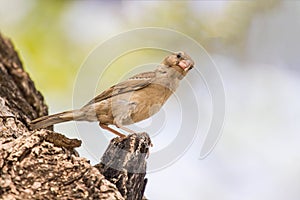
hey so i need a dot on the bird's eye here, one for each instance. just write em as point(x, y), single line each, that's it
point(178, 55)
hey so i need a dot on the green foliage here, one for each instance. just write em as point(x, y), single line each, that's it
point(53, 59)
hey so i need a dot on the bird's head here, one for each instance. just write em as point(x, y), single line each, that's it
point(179, 61)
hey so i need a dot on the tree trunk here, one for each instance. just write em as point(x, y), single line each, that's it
point(42, 164)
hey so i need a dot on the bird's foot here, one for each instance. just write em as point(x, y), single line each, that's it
point(106, 127)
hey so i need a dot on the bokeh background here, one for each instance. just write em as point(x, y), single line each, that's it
point(255, 45)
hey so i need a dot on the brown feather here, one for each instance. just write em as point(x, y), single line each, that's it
point(134, 83)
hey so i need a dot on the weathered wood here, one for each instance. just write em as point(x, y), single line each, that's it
point(17, 90)
point(124, 164)
point(42, 164)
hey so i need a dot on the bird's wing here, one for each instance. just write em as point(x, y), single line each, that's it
point(134, 83)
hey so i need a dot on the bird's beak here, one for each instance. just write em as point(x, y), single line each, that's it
point(186, 65)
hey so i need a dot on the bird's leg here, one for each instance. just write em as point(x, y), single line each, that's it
point(125, 129)
point(112, 130)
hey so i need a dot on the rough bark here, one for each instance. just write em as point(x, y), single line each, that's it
point(123, 163)
point(42, 164)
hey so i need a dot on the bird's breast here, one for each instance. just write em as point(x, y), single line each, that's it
point(134, 106)
point(147, 102)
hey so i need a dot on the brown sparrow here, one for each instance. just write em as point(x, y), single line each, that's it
point(130, 101)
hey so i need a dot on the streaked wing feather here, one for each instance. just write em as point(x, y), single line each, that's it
point(144, 75)
point(134, 83)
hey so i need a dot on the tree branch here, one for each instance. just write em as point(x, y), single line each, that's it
point(42, 164)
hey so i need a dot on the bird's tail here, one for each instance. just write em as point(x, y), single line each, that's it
point(47, 121)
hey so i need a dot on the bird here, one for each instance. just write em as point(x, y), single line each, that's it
point(130, 101)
